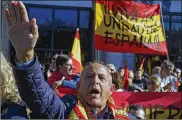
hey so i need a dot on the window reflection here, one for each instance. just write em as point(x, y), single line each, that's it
point(166, 26)
point(176, 43)
point(84, 19)
point(44, 40)
point(176, 19)
point(42, 15)
point(166, 18)
point(65, 18)
point(176, 27)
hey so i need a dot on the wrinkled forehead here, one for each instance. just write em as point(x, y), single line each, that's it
point(95, 69)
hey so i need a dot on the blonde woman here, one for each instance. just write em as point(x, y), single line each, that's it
point(11, 105)
point(154, 84)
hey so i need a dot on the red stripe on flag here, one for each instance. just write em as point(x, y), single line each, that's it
point(78, 112)
point(131, 8)
point(126, 47)
point(126, 84)
point(77, 65)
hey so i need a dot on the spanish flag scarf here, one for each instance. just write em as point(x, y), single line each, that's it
point(82, 111)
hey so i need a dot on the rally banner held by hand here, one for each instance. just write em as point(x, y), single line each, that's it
point(129, 27)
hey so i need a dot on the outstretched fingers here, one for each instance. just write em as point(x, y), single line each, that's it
point(23, 11)
point(7, 15)
point(34, 28)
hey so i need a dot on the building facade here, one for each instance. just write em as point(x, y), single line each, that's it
point(58, 21)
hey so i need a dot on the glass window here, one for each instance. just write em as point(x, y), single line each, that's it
point(84, 19)
point(176, 43)
point(166, 26)
point(177, 19)
point(176, 27)
point(84, 41)
point(42, 15)
point(65, 18)
point(166, 18)
point(63, 39)
point(44, 40)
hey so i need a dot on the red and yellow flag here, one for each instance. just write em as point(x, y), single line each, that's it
point(76, 53)
point(126, 76)
point(130, 27)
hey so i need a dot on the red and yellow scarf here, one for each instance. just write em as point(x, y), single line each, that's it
point(82, 111)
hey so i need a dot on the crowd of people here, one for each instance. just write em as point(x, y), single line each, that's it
point(29, 91)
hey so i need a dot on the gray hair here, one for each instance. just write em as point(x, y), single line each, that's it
point(166, 64)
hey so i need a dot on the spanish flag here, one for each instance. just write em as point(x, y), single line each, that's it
point(129, 26)
point(141, 66)
point(76, 53)
point(126, 72)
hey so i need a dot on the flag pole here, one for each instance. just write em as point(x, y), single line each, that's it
point(163, 27)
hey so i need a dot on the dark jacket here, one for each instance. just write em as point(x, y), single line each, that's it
point(13, 111)
point(39, 96)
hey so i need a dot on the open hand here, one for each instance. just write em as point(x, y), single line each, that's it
point(22, 33)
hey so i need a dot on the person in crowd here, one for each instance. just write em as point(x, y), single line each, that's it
point(168, 82)
point(112, 71)
point(52, 65)
point(138, 111)
point(139, 81)
point(131, 86)
point(178, 72)
point(121, 72)
point(154, 84)
point(63, 76)
point(11, 105)
point(118, 82)
point(156, 70)
point(111, 67)
point(93, 100)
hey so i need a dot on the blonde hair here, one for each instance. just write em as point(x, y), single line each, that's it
point(157, 80)
point(9, 91)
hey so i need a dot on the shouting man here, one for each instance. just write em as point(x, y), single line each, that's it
point(93, 100)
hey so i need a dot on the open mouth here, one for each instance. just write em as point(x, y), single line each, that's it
point(94, 92)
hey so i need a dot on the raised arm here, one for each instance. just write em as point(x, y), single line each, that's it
point(33, 89)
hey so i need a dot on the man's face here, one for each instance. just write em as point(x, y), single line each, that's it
point(95, 85)
point(168, 72)
point(67, 67)
point(130, 77)
point(121, 72)
point(178, 74)
point(138, 75)
point(139, 114)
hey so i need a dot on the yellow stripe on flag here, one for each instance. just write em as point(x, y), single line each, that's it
point(128, 26)
point(76, 52)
